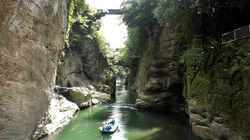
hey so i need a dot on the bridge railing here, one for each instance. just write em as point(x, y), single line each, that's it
point(236, 34)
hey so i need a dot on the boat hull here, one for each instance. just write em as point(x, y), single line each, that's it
point(112, 130)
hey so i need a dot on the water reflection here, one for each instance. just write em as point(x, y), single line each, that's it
point(134, 124)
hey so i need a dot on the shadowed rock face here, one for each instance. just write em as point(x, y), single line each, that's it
point(61, 111)
point(85, 66)
point(31, 35)
point(216, 101)
point(83, 96)
point(158, 80)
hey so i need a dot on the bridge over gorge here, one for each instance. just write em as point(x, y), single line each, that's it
point(110, 11)
point(102, 12)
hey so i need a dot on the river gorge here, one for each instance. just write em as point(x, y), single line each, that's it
point(134, 124)
point(184, 71)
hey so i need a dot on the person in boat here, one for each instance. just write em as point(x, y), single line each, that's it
point(104, 125)
point(108, 127)
point(112, 121)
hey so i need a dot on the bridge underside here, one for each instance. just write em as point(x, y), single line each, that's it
point(110, 11)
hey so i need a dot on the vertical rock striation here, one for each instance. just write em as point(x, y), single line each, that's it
point(158, 81)
point(216, 99)
point(31, 35)
point(85, 66)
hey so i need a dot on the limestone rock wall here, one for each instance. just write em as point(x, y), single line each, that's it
point(85, 66)
point(215, 99)
point(31, 35)
point(218, 98)
point(61, 111)
point(158, 81)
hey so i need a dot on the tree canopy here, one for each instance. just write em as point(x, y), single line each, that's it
point(198, 25)
point(193, 19)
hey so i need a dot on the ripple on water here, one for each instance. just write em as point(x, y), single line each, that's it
point(134, 124)
point(138, 134)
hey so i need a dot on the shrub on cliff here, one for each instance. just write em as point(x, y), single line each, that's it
point(198, 25)
point(84, 23)
point(137, 15)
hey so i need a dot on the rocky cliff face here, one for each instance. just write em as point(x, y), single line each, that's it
point(85, 66)
point(216, 100)
point(31, 35)
point(158, 80)
point(61, 112)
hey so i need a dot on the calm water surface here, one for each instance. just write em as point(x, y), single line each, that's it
point(134, 124)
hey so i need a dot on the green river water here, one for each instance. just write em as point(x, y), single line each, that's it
point(134, 124)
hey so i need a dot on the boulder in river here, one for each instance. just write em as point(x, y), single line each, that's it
point(61, 112)
point(84, 96)
point(80, 96)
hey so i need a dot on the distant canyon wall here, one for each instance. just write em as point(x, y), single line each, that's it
point(216, 100)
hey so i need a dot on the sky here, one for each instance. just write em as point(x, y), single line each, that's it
point(114, 31)
point(105, 4)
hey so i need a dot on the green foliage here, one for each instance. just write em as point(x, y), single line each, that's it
point(193, 57)
point(203, 17)
point(134, 47)
point(139, 13)
point(239, 61)
point(223, 82)
point(84, 24)
point(199, 25)
point(76, 7)
point(138, 16)
point(171, 11)
point(104, 47)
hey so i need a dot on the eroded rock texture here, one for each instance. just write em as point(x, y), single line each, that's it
point(85, 66)
point(218, 98)
point(83, 96)
point(215, 99)
point(158, 80)
point(61, 112)
point(31, 35)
